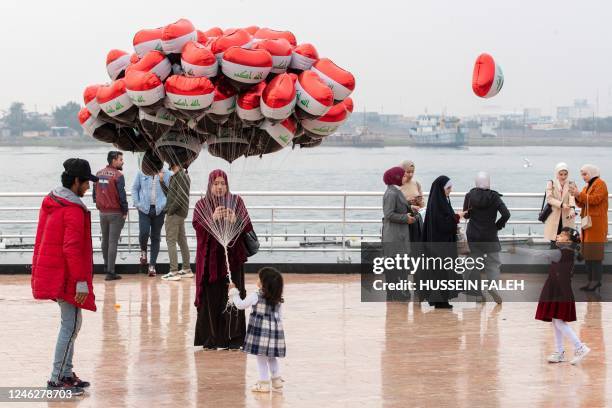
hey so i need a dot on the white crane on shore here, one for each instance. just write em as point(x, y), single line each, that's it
point(527, 163)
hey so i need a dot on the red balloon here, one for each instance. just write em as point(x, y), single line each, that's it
point(304, 55)
point(269, 34)
point(176, 35)
point(197, 60)
point(147, 40)
point(278, 98)
point(116, 63)
point(314, 97)
point(487, 78)
point(339, 80)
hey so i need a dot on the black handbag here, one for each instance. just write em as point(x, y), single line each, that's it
point(546, 210)
point(251, 243)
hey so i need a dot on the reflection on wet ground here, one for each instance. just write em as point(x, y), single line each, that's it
point(137, 350)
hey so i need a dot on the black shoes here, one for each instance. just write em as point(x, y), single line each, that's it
point(112, 276)
point(75, 381)
point(442, 305)
point(68, 388)
point(594, 288)
point(588, 288)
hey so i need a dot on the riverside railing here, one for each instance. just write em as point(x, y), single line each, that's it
point(340, 216)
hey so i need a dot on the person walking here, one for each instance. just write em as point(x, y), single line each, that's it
point(150, 200)
point(481, 207)
point(111, 201)
point(62, 266)
point(593, 201)
point(177, 208)
point(562, 203)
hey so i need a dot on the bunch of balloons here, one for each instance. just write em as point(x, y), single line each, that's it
point(241, 91)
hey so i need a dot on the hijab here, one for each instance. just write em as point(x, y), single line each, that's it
point(592, 171)
point(406, 164)
point(560, 167)
point(483, 180)
point(213, 201)
point(439, 209)
point(212, 252)
point(394, 176)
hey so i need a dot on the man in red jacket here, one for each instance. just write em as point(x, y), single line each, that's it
point(62, 266)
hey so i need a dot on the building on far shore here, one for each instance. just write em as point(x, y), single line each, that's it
point(581, 109)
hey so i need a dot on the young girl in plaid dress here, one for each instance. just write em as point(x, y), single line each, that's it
point(265, 336)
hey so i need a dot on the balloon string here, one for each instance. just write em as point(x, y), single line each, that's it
point(230, 303)
point(229, 273)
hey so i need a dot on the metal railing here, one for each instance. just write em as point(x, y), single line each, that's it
point(344, 217)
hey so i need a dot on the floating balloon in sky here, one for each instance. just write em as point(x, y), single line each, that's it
point(488, 78)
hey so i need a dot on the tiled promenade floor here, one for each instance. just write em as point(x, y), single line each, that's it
point(137, 350)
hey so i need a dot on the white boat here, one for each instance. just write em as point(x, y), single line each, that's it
point(433, 130)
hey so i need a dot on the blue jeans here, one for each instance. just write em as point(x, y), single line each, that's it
point(150, 225)
point(64, 349)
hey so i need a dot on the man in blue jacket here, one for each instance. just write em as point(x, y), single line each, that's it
point(150, 201)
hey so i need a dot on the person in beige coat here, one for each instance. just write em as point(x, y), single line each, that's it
point(563, 204)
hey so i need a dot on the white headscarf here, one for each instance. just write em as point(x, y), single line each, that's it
point(406, 164)
point(560, 167)
point(591, 170)
point(448, 184)
point(483, 180)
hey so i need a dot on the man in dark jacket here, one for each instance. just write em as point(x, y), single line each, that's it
point(111, 200)
point(62, 265)
point(177, 207)
point(481, 206)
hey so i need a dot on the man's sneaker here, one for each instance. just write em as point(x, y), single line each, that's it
point(171, 276)
point(556, 357)
point(62, 386)
point(277, 384)
point(75, 381)
point(112, 276)
point(261, 386)
point(580, 353)
point(152, 271)
point(186, 273)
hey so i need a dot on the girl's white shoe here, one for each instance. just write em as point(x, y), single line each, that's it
point(580, 353)
point(557, 357)
point(261, 386)
point(277, 384)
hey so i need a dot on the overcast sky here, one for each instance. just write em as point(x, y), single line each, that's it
point(407, 56)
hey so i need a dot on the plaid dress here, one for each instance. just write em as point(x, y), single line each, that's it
point(265, 335)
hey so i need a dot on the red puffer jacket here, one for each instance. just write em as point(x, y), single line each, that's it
point(63, 252)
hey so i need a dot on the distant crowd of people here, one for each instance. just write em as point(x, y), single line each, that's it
point(436, 233)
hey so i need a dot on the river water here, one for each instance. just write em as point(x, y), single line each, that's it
point(513, 169)
point(327, 168)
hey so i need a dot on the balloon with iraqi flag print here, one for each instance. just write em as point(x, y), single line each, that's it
point(488, 77)
point(235, 92)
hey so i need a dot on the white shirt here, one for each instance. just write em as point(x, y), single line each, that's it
point(154, 191)
point(250, 300)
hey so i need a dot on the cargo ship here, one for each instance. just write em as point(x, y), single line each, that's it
point(437, 131)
